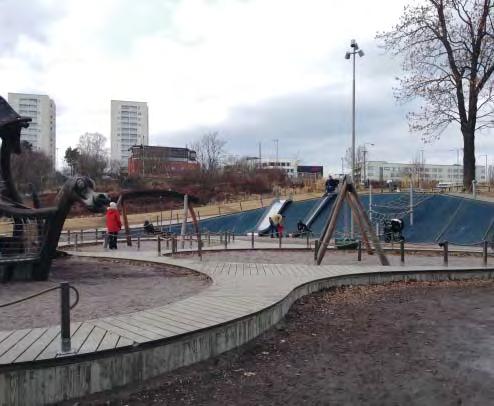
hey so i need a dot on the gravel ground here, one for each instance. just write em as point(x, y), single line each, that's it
point(107, 287)
point(399, 344)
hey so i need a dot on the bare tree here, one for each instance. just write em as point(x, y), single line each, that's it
point(210, 151)
point(31, 167)
point(93, 156)
point(448, 49)
point(359, 162)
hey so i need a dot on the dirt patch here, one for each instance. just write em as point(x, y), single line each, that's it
point(107, 287)
point(403, 343)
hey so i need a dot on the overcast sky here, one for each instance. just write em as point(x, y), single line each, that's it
point(253, 70)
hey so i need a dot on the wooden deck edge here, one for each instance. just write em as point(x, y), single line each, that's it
point(45, 383)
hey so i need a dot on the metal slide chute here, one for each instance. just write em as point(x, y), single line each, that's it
point(317, 208)
point(277, 206)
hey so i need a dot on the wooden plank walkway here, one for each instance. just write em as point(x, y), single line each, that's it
point(238, 290)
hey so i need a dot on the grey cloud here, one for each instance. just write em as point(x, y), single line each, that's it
point(25, 17)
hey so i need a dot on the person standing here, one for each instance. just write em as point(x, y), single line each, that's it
point(113, 225)
point(274, 220)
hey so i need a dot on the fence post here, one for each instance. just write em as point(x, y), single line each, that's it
point(68, 236)
point(138, 242)
point(65, 316)
point(190, 241)
point(445, 252)
point(359, 251)
point(159, 245)
point(308, 239)
point(252, 240)
point(280, 236)
point(75, 242)
point(486, 244)
point(82, 236)
point(233, 236)
point(96, 235)
point(199, 248)
point(402, 252)
point(241, 206)
point(316, 248)
point(209, 238)
point(226, 239)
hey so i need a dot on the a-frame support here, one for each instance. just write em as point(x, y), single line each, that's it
point(348, 191)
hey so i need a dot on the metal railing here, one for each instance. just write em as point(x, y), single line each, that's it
point(65, 308)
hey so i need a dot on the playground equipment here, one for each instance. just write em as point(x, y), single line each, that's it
point(318, 207)
point(276, 207)
point(349, 193)
point(30, 235)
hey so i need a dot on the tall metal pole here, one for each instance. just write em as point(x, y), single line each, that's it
point(353, 140)
point(370, 201)
point(411, 202)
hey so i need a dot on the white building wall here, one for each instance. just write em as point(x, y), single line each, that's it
point(401, 171)
point(41, 132)
point(129, 126)
point(288, 165)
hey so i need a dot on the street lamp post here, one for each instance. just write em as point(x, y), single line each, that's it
point(355, 50)
point(276, 141)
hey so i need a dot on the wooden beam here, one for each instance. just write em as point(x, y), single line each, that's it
point(126, 224)
point(365, 219)
point(358, 218)
point(331, 224)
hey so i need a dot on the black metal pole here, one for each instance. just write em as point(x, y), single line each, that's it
point(316, 249)
point(486, 244)
point(65, 316)
point(402, 251)
point(159, 245)
point(445, 252)
point(252, 240)
point(359, 251)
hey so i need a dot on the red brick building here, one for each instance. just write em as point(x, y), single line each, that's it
point(148, 160)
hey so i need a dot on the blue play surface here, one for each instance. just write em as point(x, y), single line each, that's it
point(436, 218)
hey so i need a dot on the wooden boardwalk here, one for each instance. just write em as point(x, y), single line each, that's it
point(238, 290)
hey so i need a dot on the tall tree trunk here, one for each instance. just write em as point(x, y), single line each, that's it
point(468, 158)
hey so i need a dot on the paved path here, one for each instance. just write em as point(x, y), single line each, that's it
point(237, 291)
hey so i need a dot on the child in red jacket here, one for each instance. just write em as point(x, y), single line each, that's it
point(113, 225)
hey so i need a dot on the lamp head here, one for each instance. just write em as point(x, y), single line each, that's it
point(347, 55)
point(354, 44)
point(360, 53)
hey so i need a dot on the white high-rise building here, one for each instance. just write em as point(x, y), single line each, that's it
point(41, 133)
point(129, 127)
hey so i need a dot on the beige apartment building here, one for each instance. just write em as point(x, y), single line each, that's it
point(129, 127)
point(41, 133)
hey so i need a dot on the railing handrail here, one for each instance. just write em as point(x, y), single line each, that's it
point(42, 293)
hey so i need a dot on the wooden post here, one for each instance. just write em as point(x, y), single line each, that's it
point(359, 251)
point(486, 245)
point(126, 224)
point(279, 239)
point(209, 238)
point(159, 245)
point(444, 244)
point(252, 240)
point(75, 245)
point(82, 236)
point(68, 236)
point(190, 240)
point(331, 224)
point(65, 316)
point(241, 206)
point(316, 249)
point(138, 242)
point(308, 239)
point(366, 222)
point(402, 251)
point(96, 235)
point(219, 210)
point(226, 240)
point(358, 219)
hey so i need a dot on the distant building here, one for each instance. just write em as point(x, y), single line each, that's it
point(147, 160)
point(383, 171)
point(310, 171)
point(287, 165)
point(41, 133)
point(129, 126)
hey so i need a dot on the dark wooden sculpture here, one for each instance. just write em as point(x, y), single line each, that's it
point(28, 252)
